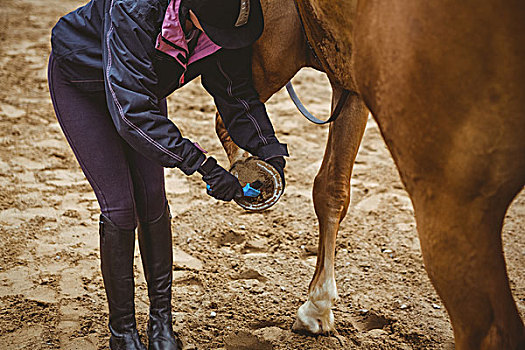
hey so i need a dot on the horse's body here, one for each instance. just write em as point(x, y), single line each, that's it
point(446, 83)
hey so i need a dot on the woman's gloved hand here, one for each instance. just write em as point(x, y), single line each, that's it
point(278, 163)
point(274, 154)
point(222, 184)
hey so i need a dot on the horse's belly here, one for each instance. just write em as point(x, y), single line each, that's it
point(329, 26)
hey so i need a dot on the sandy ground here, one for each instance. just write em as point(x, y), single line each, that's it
point(238, 277)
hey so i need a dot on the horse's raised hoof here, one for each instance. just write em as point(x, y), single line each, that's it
point(313, 319)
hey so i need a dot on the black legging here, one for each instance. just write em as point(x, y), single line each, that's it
point(128, 186)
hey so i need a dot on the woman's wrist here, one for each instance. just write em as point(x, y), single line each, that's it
point(207, 166)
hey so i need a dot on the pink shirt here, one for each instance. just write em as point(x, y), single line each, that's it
point(172, 32)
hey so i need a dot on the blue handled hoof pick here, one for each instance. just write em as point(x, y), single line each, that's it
point(250, 190)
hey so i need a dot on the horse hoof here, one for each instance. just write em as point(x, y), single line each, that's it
point(313, 320)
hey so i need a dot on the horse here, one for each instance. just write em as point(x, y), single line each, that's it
point(445, 82)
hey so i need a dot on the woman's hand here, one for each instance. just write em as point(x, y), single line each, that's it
point(222, 184)
point(278, 163)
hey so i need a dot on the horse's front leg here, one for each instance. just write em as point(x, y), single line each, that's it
point(331, 199)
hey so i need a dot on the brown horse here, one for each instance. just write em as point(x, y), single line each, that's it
point(446, 83)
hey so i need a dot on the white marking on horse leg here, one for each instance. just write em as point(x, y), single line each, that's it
point(315, 315)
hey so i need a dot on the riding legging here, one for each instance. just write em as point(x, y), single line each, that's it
point(128, 186)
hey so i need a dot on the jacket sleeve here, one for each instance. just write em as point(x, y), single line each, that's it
point(130, 31)
point(228, 78)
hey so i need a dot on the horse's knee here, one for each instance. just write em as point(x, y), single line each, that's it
point(331, 194)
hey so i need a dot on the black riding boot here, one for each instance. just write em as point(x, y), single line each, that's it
point(116, 256)
point(157, 258)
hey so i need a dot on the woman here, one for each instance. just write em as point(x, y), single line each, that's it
point(113, 63)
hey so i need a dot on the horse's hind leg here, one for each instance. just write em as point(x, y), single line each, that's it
point(460, 232)
point(331, 199)
point(234, 152)
point(462, 173)
point(452, 114)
